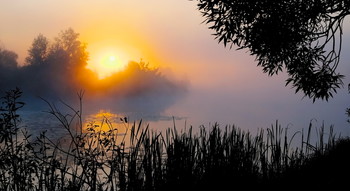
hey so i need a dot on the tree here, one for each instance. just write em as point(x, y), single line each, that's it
point(67, 46)
point(8, 59)
point(37, 54)
point(301, 37)
point(8, 68)
point(68, 57)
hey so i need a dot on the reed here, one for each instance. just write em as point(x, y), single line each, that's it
point(141, 159)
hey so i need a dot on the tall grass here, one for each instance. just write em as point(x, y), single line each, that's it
point(142, 159)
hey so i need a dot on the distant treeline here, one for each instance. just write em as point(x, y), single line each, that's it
point(56, 69)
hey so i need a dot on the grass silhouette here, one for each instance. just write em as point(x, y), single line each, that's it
point(215, 158)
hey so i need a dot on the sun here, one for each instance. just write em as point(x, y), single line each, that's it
point(109, 63)
point(112, 58)
point(106, 63)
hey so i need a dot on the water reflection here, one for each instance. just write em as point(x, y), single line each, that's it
point(105, 120)
point(106, 124)
point(120, 124)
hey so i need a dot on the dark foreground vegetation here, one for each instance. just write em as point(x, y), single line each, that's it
point(215, 159)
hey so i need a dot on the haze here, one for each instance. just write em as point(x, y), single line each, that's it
point(222, 85)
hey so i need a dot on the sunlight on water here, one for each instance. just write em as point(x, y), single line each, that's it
point(102, 121)
point(105, 120)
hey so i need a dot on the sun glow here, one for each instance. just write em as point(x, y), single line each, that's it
point(107, 62)
point(112, 58)
point(104, 121)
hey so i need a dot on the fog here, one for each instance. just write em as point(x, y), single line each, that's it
point(57, 74)
point(208, 83)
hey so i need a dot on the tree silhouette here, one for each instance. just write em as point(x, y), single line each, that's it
point(301, 37)
point(67, 46)
point(8, 59)
point(53, 67)
point(8, 67)
point(37, 54)
point(68, 56)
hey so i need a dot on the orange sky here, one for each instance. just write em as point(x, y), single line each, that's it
point(226, 85)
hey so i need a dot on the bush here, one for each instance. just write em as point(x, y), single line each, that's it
point(141, 159)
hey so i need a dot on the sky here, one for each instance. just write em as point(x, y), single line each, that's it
point(223, 85)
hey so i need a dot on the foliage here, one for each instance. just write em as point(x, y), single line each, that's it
point(8, 67)
point(89, 158)
point(302, 37)
point(65, 49)
point(37, 54)
point(140, 159)
point(55, 63)
point(68, 46)
point(55, 68)
point(8, 59)
point(15, 161)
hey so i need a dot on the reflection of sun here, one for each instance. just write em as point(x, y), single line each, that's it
point(107, 63)
point(105, 120)
point(106, 125)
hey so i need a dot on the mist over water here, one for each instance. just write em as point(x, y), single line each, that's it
point(143, 97)
point(56, 77)
point(222, 85)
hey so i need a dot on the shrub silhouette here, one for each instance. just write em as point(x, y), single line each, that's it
point(141, 159)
